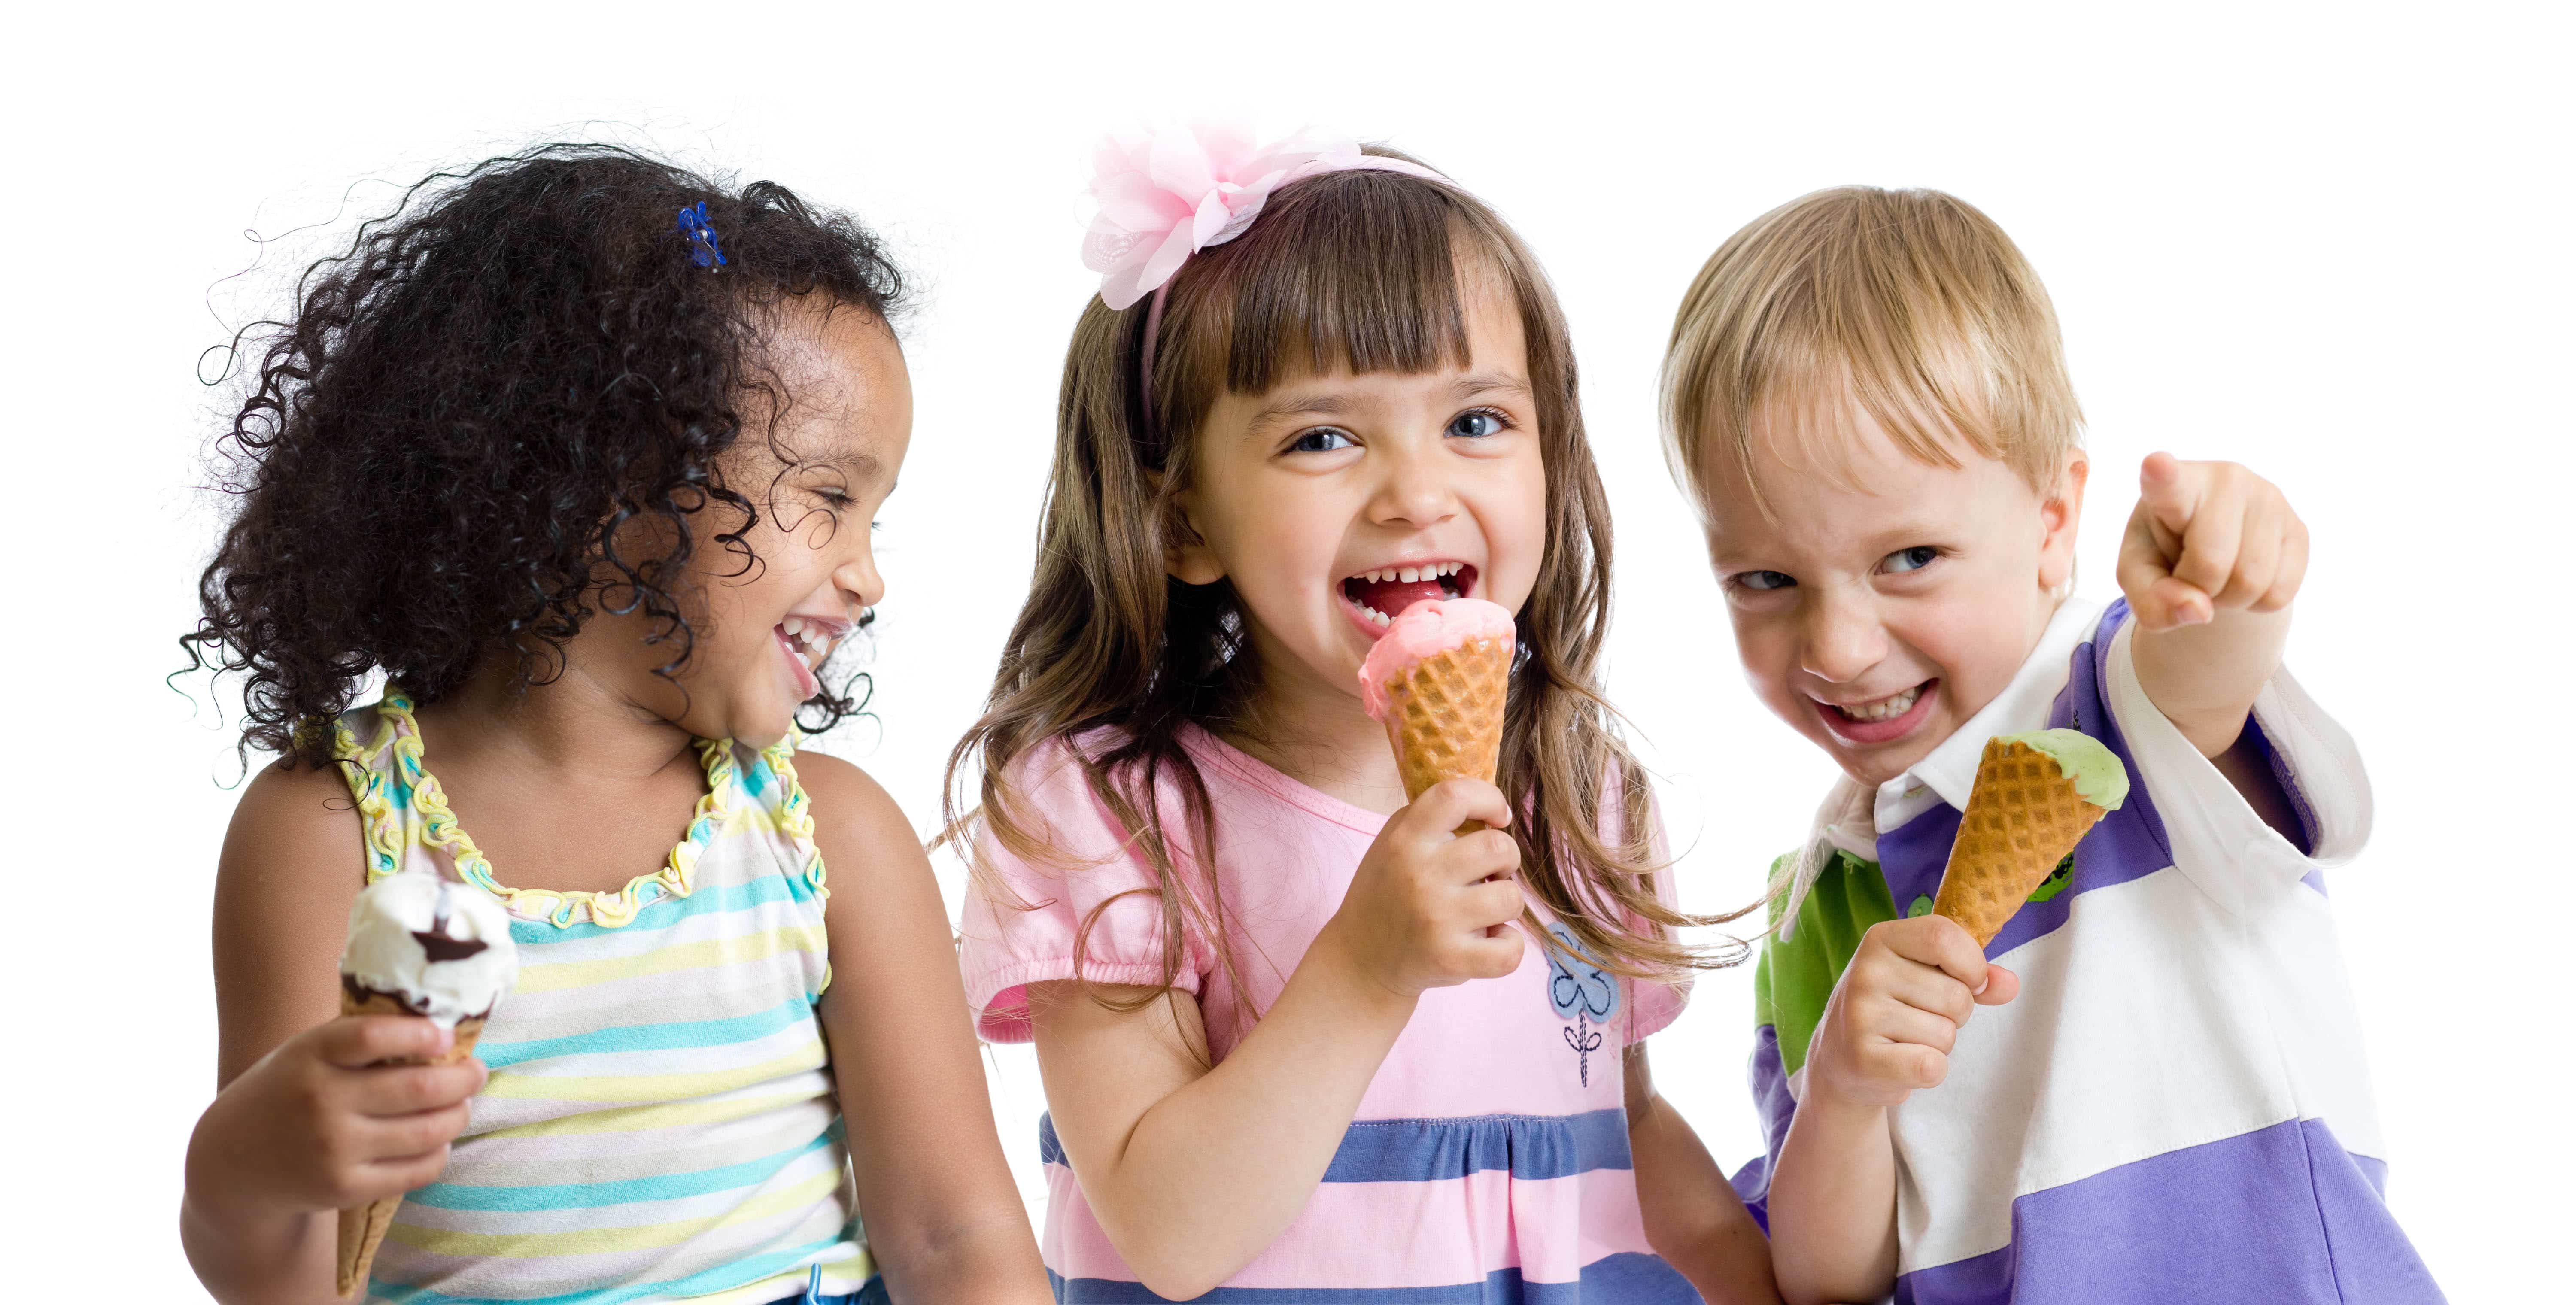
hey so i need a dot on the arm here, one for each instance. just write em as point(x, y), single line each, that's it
point(305, 1121)
point(1693, 1217)
point(944, 1221)
point(2211, 561)
point(1192, 1170)
point(1887, 1031)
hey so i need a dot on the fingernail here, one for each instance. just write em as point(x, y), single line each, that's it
point(1980, 989)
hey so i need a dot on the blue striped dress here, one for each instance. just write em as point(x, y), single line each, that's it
point(661, 1122)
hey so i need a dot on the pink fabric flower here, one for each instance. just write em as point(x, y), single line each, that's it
point(1165, 196)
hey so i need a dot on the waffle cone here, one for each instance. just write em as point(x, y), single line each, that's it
point(1445, 715)
point(362, 1227)
point(2023, 817)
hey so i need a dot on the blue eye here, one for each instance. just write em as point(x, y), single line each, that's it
point(1911, 559)
point(1477, 423)
point(1763, 580)
point(1322, 439)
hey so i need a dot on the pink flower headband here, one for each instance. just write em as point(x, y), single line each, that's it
point(1169, 195)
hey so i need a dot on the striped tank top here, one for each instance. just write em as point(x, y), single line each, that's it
point(660, 1123)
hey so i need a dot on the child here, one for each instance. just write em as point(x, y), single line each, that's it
point(1866, 398)
point(592, 487)
point(1294, 1046)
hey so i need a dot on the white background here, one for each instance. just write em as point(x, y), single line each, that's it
point(2331, 245)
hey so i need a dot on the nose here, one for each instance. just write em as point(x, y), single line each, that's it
point(1413, 490)
point(1843, 635)
point(858, 581)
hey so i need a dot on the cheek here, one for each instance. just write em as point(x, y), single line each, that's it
point(1515, 525)
point(1766, 643)
point(1963, 643)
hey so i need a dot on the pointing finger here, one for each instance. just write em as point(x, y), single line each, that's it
point(2168, 490)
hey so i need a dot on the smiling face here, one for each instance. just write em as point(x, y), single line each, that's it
point(1877, 615)
point(764, 629)
point(1333, 502)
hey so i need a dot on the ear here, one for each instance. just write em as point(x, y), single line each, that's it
point(2059, 512)
point(1186, 555)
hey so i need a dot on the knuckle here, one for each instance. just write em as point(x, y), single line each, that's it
point(425, 1170)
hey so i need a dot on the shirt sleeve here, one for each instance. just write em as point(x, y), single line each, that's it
point(2218, 839)
point(1654, 1004)
point(1090, 908)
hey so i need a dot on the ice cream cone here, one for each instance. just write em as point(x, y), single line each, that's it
point(2024, 815)
point(1446, 715)
point(1437, 680)
point(362, 1227)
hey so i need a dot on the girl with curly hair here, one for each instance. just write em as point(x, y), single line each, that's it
point(1301, 1041)
point(590, 486)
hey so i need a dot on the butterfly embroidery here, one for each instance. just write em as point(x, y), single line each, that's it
point(1578, 989)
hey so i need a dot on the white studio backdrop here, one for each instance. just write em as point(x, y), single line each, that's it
point(2325, 243)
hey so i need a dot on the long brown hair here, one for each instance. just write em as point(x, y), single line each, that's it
point(1355, 270)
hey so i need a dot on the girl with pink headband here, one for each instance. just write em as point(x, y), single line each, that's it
point(1295, 1045)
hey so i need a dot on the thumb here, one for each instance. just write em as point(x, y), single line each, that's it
point(2002, 985)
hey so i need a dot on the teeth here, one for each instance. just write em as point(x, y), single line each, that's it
point(1885, 709)
point(1410, 574)
point(1379, 617)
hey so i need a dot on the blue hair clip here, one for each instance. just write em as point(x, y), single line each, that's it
point(703, 249)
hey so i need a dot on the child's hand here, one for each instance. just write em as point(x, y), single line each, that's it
point(1426, 909)
point(1890, 1024)
point(2207, 536)
point(321, 1124)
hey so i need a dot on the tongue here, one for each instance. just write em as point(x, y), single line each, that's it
point(1393, 596)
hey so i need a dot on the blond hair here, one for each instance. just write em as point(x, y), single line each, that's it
point(1909, 305)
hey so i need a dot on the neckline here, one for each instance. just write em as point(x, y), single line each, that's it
point(440, 828)
point(1209, 747)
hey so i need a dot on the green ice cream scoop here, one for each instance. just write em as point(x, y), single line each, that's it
point(2098, 776)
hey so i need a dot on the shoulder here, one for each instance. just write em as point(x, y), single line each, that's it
point(848, 805)
point(285, 809)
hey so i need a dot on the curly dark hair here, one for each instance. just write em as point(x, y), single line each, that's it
point(472, 406)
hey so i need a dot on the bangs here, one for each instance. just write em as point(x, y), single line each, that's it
point(1817, 415)
point(1355, 272)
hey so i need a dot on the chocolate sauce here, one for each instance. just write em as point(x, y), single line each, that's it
point(435, 943)
point(443, 948)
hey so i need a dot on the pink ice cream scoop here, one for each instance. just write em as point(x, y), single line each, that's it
point(1426, 630)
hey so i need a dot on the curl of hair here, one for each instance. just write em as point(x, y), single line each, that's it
point(1362, 271)
point(491, 416)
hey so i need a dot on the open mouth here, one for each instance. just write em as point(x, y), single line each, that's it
point(1879, 719)
point(1380, 596)
point(808, 642)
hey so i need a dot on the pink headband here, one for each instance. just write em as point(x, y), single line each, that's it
point(1169, 195)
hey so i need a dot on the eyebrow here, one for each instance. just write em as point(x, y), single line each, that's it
point(857, 464)
point(1325, 403)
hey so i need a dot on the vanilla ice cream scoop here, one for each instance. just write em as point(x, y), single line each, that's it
point(441, 949)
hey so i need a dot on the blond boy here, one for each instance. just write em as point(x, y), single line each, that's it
point(2163, 1097)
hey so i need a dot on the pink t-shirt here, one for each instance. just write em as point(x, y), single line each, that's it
point(1489, 1159)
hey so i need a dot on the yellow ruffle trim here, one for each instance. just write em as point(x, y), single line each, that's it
point(384, 828)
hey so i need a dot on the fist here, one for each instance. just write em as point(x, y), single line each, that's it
point(1890, 1024)
point(1429, 908)
point(324, 1122)
point(2207, 537)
